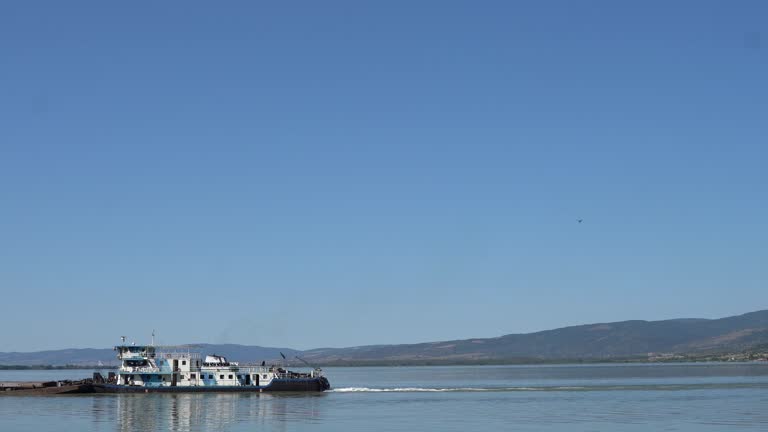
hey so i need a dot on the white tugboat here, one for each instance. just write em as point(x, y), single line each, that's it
point(144, 370)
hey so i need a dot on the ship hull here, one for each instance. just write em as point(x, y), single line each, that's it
point(277, 385)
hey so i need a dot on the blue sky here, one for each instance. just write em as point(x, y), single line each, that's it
point(345, 173)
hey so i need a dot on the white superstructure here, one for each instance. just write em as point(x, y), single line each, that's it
point(144, 366)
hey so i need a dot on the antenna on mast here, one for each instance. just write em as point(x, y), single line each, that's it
point(123, 339)
point(153, 337)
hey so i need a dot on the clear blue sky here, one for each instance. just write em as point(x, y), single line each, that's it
point(344, 173)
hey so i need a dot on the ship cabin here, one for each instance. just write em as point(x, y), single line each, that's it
point(142, 365)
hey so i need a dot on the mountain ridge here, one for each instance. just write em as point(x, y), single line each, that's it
point(591, 342)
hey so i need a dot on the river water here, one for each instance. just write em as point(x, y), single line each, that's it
point(643, 397)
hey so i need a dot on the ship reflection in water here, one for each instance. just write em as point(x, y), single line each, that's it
point(211, 411)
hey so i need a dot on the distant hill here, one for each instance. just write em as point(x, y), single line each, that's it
point(92, 356)
point(601, 341)
point(73, 356)
point(590, 342)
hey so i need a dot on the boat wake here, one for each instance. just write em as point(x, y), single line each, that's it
point(647, 387)
point(449, 389)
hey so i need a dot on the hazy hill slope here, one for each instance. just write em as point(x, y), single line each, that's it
point(92, 356)
point(591, 341)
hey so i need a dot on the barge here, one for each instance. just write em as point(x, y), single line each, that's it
point(46, 388)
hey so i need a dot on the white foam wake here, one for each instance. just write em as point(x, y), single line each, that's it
point(542, 388)
point(422, 389)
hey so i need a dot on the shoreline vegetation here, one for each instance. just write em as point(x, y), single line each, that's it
point(743, 357)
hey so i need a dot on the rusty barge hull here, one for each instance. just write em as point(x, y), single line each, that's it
point(44, 389)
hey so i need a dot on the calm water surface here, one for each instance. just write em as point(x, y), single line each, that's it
point(681, 397)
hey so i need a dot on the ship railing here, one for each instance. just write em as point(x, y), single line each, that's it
point(246, 368)
point(315, 373)
point(145, 369)
point(275, 370)
point(179, 355)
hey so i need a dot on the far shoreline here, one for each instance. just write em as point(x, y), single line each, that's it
point(364, 364)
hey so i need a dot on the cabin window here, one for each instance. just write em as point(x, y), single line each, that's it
point(221, 376)
point(230, 376)
point(210, 376)
point(183, 362)
point(192, 376)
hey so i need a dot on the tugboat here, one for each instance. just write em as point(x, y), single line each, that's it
point(145, 370)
